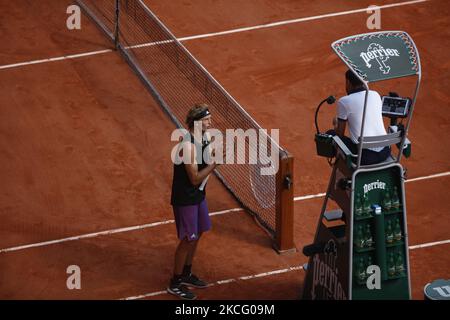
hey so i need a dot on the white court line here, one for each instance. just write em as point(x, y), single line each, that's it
point(220, 282)
point(311, 196)
point(145, 295)
point(73, 56)
point(226, 281)
point(106, 232)
point(215, 34)
point(267, 274)
point(432, 176)
point(286, 22)
point(154, 224)
point(430, 244)
point(437, 175)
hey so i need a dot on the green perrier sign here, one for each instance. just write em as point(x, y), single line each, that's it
point(380, 55)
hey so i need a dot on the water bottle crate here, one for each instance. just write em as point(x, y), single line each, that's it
point(361, 282)
point(363, 240)
point(397, 276)
point(363, 217)
point(393, 211)
point(395, 244)
point(362, 250)
point(364, 282)
point(394, 233)
point(360, 264)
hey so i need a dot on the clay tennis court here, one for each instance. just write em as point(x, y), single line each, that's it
point(85, 149)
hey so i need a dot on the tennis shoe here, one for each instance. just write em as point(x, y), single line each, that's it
point(181, 291)
point(193, 281)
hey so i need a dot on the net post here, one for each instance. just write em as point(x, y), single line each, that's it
point(284, 224)
point(116, 25)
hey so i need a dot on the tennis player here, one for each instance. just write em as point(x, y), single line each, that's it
point(189, 203)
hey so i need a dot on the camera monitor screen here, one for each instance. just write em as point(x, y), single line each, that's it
point(395, 106)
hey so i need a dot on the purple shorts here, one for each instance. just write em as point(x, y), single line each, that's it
point(192, 220)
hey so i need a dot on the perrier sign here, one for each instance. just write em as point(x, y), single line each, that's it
point(379, 56)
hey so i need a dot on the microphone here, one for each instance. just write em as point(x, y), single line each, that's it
point(331, 100)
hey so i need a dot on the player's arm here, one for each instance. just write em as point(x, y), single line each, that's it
point(340, 128)
point(341, 117)
point(195, 176)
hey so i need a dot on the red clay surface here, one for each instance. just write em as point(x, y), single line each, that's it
point(33, 30)
point(84, 147)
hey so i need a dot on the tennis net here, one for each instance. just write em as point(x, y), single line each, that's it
point(178, 81)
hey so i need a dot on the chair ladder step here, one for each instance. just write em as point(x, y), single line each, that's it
point(333, 215)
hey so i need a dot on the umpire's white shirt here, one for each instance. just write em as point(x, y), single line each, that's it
point(351, 108)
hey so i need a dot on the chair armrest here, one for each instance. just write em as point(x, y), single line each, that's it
point(348, 155)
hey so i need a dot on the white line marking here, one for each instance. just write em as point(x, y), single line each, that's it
point(312, 196)
point(286, 22)
point(270, 273)
point(220, 282)
point(266, 274)
point(149, 44)
point(215, 34)
point(432, 176)
point(437, 175)
point(145, 295)
point(225, 211)
point(106, 232)
point(73, 56)
point(226, 281)
point(155, 224)
point(430, 244)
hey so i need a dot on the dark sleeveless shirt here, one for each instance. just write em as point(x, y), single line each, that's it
point(184, 193)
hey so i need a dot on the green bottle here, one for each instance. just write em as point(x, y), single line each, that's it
point(397, 231)
point(391, 265)
point(358, 205)
point(389, 233)
point(361, 271)
point(386, 203)
point(399, 265)
point(369, 261)
point(359, 238)
point(368, 236)
point(366, 205)
point(395, 200)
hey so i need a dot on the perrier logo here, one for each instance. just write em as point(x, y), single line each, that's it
point(326, 283)
point(376, 52)
point(374, 185)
